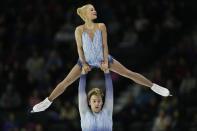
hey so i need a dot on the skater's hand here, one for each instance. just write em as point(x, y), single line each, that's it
point(83, 71)
point(104, 66)
point(86, 68)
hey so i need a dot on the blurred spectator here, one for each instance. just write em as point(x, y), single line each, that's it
point(187, 84)
point(11, 124)
point(144, 97)
point(181, 69)
point(38, 127)
point(141, 22)
point(165, 104)
point(53, 60)
point(168, 68)
point(65, 34)
point(12, 79)
point(68, 112)
point(151, 108)
point(52, 75)
point(158, 76)
point(171, 87)
point(35, 66)
point(171, 22)
point(30, 83)
point(148, 111)
point(30, 126)
point(189, 49)
point(113, 26)
point(130, 38)
point(175, 104)
point(46, 83)
point(176, 121)
point(11, 59)
point(54, 114)
point(130, 112)
point(10, 99)
point(162, 121)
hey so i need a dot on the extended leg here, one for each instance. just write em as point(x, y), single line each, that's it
point(138, 78)
point(70, 78)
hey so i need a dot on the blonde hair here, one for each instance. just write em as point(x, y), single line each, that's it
point(96, 92)
point(81, 11)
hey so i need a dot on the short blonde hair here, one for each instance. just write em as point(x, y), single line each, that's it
point(96, 92)
point(81, 11)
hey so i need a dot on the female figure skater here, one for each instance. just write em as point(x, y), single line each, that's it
point(91, 39)
point(98, 117)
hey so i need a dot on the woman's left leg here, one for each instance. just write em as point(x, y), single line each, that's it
point(115, 66)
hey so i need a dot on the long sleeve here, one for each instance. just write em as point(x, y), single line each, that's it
point(83, 105)
point(109, 94)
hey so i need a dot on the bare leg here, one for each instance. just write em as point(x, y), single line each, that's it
point(138, 78)
point(71, 77)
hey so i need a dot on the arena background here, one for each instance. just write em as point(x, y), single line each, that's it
point(157, 38)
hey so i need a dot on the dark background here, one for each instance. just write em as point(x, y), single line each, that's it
point(156, 38)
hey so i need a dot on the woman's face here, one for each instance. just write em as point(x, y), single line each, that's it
point(91, 13)
point(96, 103)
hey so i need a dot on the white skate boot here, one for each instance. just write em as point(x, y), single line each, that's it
point(42, 106)
point(160, 90)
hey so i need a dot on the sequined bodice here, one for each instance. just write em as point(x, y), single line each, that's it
point(93, 49)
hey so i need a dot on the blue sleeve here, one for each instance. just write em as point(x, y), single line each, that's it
point(83, 105)
point(109, 94)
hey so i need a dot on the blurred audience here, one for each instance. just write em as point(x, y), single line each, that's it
point(37, 50)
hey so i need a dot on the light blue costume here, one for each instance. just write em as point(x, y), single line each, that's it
point(101, 121)
point(93, 50)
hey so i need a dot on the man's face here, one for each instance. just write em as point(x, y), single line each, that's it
point(96, 103)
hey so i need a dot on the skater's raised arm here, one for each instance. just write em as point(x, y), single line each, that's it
point(109, 94)
point(83, 105)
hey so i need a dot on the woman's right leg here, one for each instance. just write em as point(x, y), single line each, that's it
point(70, 78)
